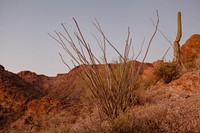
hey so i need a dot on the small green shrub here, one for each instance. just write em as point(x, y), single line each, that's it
point(167, 71)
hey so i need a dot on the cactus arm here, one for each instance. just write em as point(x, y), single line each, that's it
point(179, 27)
point(178, 38)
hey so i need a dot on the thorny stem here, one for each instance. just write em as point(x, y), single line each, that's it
point(112, 86)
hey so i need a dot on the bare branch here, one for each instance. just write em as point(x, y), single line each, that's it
point(98, 27)
point(64, 61)
point(149, 44)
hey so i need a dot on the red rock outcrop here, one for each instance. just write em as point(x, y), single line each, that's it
point(42, 106)
point(191, 49)
point(15, 93)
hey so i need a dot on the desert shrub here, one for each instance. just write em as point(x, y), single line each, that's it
point(112, 86)
point(122, 124)
point(167, 71)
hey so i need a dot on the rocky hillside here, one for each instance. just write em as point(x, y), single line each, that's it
point(38, 103)
point(15, 93)
point(27, 95)
point(190, 50)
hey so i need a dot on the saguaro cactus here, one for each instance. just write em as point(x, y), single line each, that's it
point(178, 38)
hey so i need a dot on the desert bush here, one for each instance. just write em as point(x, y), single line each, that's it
point(167, 71)
point(112, 86)
point(122, 124)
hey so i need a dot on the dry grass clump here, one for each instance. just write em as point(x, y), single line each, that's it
point(168, 109)
point(61, 122)
point(181, 115)
point(58, 123)
point(90, 122)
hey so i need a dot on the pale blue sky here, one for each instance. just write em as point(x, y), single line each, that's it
point(24, 24)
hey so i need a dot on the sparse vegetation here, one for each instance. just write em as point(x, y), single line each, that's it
point(112, 87)
point(167, 71)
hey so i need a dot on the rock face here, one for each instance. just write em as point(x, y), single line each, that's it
point(42, 106)
point(28, 96)
point(2, 68)
point(191, 49)
point(15, 93)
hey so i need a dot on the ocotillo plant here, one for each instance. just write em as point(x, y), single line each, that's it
point(178, 38)
point(112, 87)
